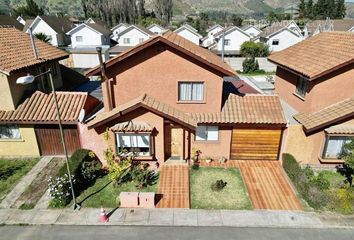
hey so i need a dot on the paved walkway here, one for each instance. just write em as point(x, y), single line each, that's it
point(174, 186)
point(266, 184)
point(25, 181)
point(178, 217)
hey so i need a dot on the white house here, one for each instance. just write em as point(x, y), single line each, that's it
point(232, 37)
point(116, 30)
point(209, 38)
point(280, 36)
point(133, 35)
point(252, 30)
point(155, 28)
point(54, 27)
point(89, 35)
point(84, 40)
point(189, 33)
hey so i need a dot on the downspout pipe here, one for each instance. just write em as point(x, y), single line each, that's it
point(105, 78)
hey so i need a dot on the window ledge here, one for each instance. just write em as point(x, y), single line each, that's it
point(191, 102)
point(11, 140)
point(299, 96)
point(330, 160)
point(207, 141)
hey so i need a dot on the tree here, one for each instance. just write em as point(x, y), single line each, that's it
point(340, 9)
point(30, 9)
point(43, 37)
point(250, 64)
point(348, 156)
point(302, 9)
point(250, 49)
point(236, 20)
point(164, 10)
point(309, 9)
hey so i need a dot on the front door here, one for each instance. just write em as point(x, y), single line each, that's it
point(176, 143)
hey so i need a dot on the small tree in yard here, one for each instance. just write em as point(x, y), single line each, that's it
point(252, 49)
point(250, 65)
point(348, 156)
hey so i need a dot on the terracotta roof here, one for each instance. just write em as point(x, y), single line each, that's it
point(149, 103)
point(10, 21)
point(174, 40)
point(326, 116)
point(40, 108)
point(334, 25)
point(249, 109)
point(16, 51)
point(318, 55)
point(341, 129)
point(132, 126)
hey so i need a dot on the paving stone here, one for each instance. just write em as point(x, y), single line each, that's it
point(21, 217)
point(136, 216)
point(72, 217)
point(117, 217)
point(4, 214)
point(46, 216)
point(185, 217)
point(242, 218)
point(209, 218)
point(161, 217)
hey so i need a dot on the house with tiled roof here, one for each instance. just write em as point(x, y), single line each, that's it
point(190, 33)
point(317, 26)
point(155, 28)
point(316, 78)
point(211, 32)
point(252, 30)
point(133, 35)
point(167, 97)
point(116, 30)
point(28, 126)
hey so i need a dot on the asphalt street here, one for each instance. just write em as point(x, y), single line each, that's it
point(51, 232)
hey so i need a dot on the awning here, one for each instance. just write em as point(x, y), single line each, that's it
point(341, 129)
point(132, 126)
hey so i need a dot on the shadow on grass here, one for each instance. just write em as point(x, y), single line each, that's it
point(94, 193)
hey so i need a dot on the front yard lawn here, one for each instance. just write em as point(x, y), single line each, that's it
point(11, 172)
point(103, 193)
point(233, 196)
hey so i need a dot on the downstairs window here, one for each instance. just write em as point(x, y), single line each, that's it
point(9, 131)
point(138, 144)
point(334, 146)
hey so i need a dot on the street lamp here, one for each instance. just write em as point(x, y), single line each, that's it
point(30, 79)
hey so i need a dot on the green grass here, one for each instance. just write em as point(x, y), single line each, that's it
point(334, 178)
point(11, 172)
point(233, 196)
point(108, 197)
point(27, 206)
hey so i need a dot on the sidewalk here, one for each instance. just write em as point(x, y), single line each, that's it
point(178, 217)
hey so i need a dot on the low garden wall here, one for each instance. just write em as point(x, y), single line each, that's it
point(264, 64)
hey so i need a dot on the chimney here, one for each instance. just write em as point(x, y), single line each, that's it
point(104, 78)
point(34, 49)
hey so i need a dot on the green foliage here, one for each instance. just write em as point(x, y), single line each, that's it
point(334, 9)
point(236, 20)
point(250, 65)
point(251, 49)
point(348, 156)
point(27, 206)
point(341, 200)
point(142, 176)
point(30, 9)
point(218, 185)
point(291, 167)
point(43, 37)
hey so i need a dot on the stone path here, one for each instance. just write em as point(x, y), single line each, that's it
point(25, 181)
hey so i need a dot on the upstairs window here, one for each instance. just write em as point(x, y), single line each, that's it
point(126, 40)
point(79, 39)
point(334, 146)
point(275, 42)
point(301, 86)
point(141, 40)
point(190, 91)
point(207, 133)
point(9, 131)
point(227, 42)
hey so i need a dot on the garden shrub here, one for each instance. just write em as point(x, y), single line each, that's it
point(142, 175)
point(341, 200)
point(291, 166)
point(218, 185)
point(250, 65)
point(60, 191)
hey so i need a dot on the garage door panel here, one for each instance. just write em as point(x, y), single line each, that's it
point(255, 144)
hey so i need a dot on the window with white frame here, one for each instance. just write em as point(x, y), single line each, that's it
point(190, 91)
point(227, 42)
point(126, 40)
point(9, 131)
point(275, 42)
point(79, 38)
point(334, 146)
point(301, 86)
point(207, 133)
point(141, 40)
point(134, 143)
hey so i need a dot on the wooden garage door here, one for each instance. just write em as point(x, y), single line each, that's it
point(255, 144)
point(49, 141)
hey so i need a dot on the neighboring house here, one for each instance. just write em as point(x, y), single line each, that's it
point(54, 27)
point(189, 33)
point(209, 38)
point(10, 21)
point(155, 28)
point(232, 39)
point(84, 40)
point(167, 98)
point(314, 27)
point(133, 35)
point(281, 35)
point(116, 30)
point(316, 79)
point(23, 19)
point(28, 124)
point(96, 21)
point(252, 30)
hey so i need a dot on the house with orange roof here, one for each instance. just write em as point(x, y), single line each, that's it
point(316, 79)
point(28, 123)
point(167, 97)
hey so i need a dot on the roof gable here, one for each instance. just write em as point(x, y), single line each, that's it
point(148, 33)
point(120, 25)
point(230, 30)
point(92, 26)
point(179, 43)
point(58, 25)
point(189, 29)
point(213, 27)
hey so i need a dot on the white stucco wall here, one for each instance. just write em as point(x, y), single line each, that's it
point(117, 31)
point(43, 27)
point(286, 39)
point(253, 32)
point(84, 60)
point(189, 36)
point(214, 31)
point(156, 29)
point(89, 38)
point(134, 35)
point(236, 37)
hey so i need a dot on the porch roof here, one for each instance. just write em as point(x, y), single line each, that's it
point(149, 103)
point(341, 129)
point(132, 126)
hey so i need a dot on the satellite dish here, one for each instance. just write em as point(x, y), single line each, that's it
point(81, 115)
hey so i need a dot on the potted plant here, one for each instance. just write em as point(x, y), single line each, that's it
point(208, 160)
point(222, 160)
